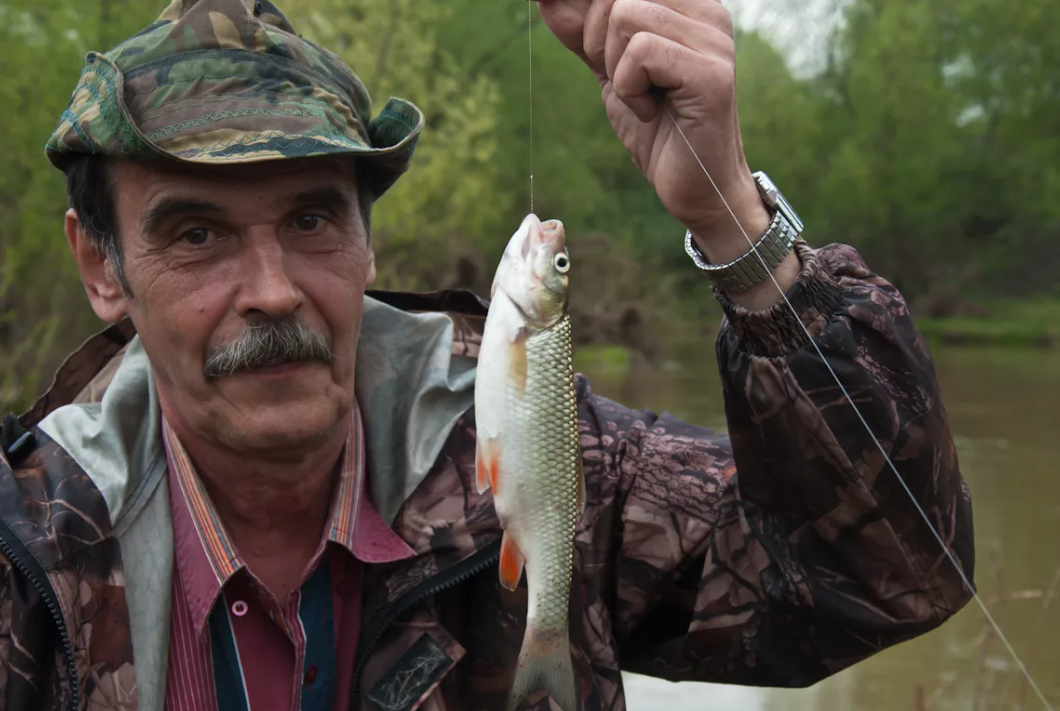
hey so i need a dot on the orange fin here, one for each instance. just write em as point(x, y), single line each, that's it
point(511, 562)
point(495, 469)
point(482, 480)
point(517, 364)
point(487, 465)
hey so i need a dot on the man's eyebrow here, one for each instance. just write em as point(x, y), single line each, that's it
point(155, 217)
point(328, 197)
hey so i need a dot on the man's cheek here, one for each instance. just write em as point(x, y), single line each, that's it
point(180, 324)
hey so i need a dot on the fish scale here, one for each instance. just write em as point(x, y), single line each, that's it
point(547, 413)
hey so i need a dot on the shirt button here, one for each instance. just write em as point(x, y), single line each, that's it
point(310, 676)
point(239, 608)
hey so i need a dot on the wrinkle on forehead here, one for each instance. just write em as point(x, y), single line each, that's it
point(148, 175)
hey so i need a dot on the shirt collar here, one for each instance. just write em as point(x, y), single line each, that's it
point(205, 555)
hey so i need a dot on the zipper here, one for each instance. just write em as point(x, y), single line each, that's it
point(460, 572)
point(20, 557)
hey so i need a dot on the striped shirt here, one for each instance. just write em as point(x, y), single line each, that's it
point(233, 645)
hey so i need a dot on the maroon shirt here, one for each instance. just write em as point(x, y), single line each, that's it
point(232, 643)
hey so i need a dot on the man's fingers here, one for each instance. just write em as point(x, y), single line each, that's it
point(645, 106)
point(629, 17)
point(598, 31)
point(654, 61)
point(595, 38)
point(566, 19)
point(711, 12)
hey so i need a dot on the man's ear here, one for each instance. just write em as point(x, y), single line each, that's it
point(371, 266)
point(101, 283)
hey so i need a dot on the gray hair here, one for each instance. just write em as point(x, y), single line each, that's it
point(266, 342)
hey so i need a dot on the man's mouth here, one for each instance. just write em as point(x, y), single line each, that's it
point(274, 362)
point(275, 366)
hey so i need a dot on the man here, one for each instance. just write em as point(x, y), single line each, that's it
point(256, 488)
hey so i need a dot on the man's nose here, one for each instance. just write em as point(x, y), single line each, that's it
point(267, 287)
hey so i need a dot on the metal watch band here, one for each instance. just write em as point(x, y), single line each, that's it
point(777, 242)
point(747, 270)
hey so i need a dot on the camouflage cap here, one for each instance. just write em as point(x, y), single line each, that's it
point(229, 81)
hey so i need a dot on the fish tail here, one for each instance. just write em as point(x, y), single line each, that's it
point(544, 663)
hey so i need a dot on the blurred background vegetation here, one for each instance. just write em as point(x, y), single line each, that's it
point(924, 132)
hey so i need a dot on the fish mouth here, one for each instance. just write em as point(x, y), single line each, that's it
point(551, 230)
point(535, 233)
point(532, 233)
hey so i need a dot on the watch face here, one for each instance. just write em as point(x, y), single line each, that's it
point(775, 201)
point(767, 188)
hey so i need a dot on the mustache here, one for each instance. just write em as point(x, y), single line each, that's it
point(269, 342)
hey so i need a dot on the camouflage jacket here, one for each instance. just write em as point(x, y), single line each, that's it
point(777, 555)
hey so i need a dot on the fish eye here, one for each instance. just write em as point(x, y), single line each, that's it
point(562, 263)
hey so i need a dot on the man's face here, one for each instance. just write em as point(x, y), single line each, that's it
point(210, 252)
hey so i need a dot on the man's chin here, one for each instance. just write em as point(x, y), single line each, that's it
point(282, 405)
point(284, 428)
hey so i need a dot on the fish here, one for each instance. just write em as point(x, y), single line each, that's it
point(527, 450)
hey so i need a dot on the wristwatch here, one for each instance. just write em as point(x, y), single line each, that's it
point(757, 263)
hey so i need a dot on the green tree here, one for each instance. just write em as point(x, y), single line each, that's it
point(941, 142)
point(1005, 64)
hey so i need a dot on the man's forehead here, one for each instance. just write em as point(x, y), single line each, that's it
point(318, 170)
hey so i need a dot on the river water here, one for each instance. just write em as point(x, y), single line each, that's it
point(1003, 412)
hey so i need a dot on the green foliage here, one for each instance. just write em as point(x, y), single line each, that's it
point(940, 154)
point(43, 312)
point(928, 139)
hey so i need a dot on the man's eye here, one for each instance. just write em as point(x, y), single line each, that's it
point(309, 223)
point(196, 237)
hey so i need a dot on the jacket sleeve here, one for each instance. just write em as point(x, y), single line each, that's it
point(6, 639)
point(787, 550)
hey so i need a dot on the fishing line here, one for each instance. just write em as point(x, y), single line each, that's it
point(530, 66)
point(901, 479)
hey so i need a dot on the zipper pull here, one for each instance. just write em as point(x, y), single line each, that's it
point(13, 439)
